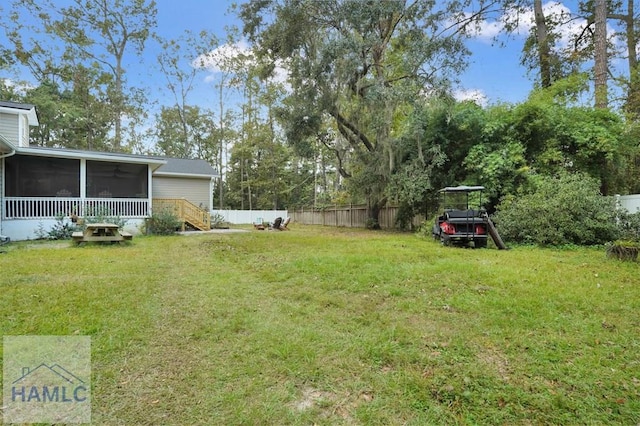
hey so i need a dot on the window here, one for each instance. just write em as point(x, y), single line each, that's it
point(28, 176)
point(117, 180)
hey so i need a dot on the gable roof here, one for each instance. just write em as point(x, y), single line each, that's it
point(19, 108)
point(183, 167)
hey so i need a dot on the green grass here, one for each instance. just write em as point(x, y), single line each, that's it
point(332, 326)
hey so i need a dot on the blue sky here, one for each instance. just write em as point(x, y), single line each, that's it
point(494, 73)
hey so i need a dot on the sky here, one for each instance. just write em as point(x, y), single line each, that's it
point(494, 73)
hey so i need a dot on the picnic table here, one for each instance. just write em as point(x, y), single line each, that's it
point(101, 232)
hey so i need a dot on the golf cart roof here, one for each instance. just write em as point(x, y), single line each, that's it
point(462, 188)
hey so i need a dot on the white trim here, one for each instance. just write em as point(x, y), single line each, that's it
point(150, 185)
point(83, 178)
point(97, 156)
point(184, 175)
point(211, 189)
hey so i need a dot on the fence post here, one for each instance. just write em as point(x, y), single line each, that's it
point(350, 215)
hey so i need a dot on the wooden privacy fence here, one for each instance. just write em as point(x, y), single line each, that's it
point(352, 216)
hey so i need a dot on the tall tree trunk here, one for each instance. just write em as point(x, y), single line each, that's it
point(117, 111)
point(374, 213)
point(542, 37)
point(600, 44)
point(633, 90)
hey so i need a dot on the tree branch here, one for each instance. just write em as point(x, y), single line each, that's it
point(351, 132)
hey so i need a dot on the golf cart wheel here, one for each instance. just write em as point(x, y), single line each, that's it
point(444, 240)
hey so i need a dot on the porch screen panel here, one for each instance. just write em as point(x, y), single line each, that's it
point(117, 180)
point(28, 176)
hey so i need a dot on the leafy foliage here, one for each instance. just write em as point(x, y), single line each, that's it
point(163, 222)
point(103, 215)
point(568, 209)
point(61, 230)
point(629, 226)
point(363, 65)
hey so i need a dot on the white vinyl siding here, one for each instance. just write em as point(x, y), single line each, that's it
point(198, 191)
point(9, 126)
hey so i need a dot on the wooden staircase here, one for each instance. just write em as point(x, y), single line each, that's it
point(187, 212)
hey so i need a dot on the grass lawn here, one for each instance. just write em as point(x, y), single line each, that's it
point(335, 326)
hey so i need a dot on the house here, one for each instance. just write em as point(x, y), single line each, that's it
point(38, 184)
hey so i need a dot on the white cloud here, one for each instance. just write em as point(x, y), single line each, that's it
point(20, 87)
point(213, 61)
point(524, 21)
point(476, 95)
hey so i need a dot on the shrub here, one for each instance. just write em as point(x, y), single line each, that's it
point(163, 222)
point(628, 225)
point(568, 209)
point(217, 221)
point(103, 215)
point(61, 230)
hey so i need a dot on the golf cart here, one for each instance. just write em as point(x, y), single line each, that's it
point(463, 220)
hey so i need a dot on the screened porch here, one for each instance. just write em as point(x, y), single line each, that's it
point(44, 188)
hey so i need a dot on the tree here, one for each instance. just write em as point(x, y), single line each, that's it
point(358, 63)
point(180, 61)
point(200, 139)
point(631, 24)
point(542, 39)
point(600, 53)
point(230, 65)
point(96, 32)
point(259, 168)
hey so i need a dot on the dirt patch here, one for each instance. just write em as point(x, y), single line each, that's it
point(496, 361)
point(312, 398)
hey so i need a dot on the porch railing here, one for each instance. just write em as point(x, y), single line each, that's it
point(52, 207)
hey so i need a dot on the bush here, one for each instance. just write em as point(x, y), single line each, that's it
point(163, 222)
point(61, 230)
point(559, 210)
point(629, 225)
point(218, 222)
point(103, 215)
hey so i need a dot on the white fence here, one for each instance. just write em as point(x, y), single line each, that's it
point(631, 203)
point(239, 217)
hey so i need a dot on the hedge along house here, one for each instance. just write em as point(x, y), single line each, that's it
point(37, 184)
